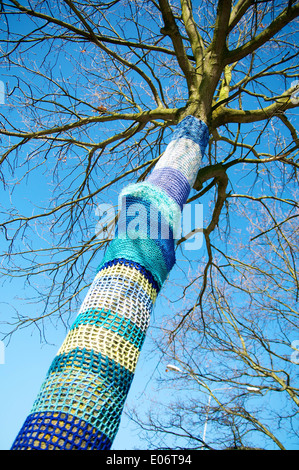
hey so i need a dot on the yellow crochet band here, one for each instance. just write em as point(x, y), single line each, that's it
point(103, 341)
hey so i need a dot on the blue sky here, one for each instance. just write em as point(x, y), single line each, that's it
point(27, 357)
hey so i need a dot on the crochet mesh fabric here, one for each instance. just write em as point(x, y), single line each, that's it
point(80, 402)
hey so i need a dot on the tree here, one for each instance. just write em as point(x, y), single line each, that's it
point(94, 91)
point(230, 366)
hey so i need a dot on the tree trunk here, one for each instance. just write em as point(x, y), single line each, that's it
point(80, 402)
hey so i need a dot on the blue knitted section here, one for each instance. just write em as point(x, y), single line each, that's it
point(146, 217)
point(194, 129)
point(141, 219)
point(156, 197)
point(179, 189)
point(60, 431)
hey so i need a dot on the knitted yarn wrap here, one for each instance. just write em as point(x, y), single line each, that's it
point(80, 402)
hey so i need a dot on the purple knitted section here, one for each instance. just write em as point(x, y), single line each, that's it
point(173, 182)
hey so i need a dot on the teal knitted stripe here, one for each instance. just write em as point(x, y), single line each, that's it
point(142, 251)
point(113, 322)
point(88, 360)
point(84, 395)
